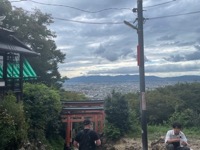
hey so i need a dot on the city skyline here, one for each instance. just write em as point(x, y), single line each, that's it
point(97, 42)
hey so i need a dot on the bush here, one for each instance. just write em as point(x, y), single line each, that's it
point(43, 107)
point(117, 112)
point(112, 132)
point(135, 128)
point(7, 128)
point(13, 128)
point(187, 118)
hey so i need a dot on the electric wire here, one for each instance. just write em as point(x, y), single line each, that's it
point(175, 15)
point(15, 1)
point(164, 3)
point(122, 22)
point(87, 22)
point(87, 11)
point(160, 17)
point(78, 21)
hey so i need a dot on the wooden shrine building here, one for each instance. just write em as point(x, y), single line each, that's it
point(14, 67)
point(78, 111)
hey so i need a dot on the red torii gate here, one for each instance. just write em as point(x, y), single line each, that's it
point(78, 111)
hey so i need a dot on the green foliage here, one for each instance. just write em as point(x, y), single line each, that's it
point(179, 102)
point(43, 106)
point(134, 124)
point(117, 115)
point(31, 28)
point(40, 123)
point(5, 7)
point(71, 96)
point(13, 128)
point(134, 113)
point(57, 143)
point(189, 94)
point(112, 132)
point(192, 132)
point(187, 118)
point(156, 131)
point(157, 101)
point(133, 102)
point(7, 128)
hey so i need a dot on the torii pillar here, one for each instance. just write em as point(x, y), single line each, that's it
point(79, 111)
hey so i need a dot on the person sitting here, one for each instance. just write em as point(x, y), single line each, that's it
point(175, 139)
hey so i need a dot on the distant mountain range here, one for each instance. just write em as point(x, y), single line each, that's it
point(131, 78)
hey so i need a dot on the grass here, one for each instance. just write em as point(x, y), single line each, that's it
point(57, 143)
point(155, 132)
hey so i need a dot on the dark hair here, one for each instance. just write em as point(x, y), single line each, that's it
point(86, 122)
point(177, 125)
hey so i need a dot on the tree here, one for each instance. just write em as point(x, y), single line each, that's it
point(31, 28)
point(13, 127)
point(189, 94)
point(157, 101)
point(134, 113)
point(187, 117)
point(117, 114)
point(174, 102)
point(42, 105)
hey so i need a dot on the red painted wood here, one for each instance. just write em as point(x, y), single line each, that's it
point(78, 111)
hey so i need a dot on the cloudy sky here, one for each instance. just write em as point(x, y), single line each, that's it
point(96, 41)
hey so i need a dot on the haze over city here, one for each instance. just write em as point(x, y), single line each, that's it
point(97, 42)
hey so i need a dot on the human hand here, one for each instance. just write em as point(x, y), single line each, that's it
point(183, 143)
point(176, 140)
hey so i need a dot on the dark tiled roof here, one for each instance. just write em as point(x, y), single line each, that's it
point(9, 43)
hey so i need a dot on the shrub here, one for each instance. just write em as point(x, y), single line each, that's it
point(13, 128)
point(117, 112)
point(43, 106)
point(187, 118)
point(112, 132)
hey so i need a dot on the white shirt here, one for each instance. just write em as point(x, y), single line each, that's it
point(170, 135)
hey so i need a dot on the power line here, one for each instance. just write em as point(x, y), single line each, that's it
point(175, 15)
point(161, 17)
point(164, 3)
point(16, 1)
point(87, 11)
point(87, 22)
point(83, 22)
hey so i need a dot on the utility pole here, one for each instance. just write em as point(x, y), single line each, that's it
point(142, 75)
point(140, 57)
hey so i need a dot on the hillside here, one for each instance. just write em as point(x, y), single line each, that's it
point(131, 78)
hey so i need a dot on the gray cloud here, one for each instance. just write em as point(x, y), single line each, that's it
point(177, 43)
point(185, 57)
point(175, 58)
point(197, 47)
point(166, 38)
point(103, 48)
point(105, 53)
point(118, 71)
